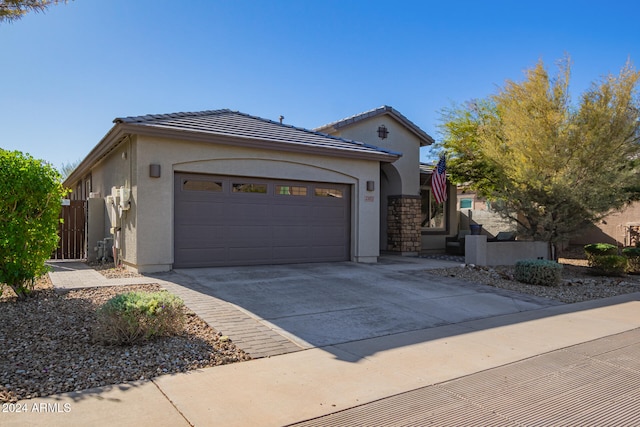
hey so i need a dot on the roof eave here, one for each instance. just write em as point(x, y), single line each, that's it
point(109, 142)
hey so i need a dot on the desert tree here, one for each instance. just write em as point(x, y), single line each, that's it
point(552, 165)
point(11, 10)
point(67, 168)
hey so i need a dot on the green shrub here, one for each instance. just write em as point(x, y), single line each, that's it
point(633, 259)
point(631, 252)
point(608, 265)
point(538, 272)
point(138, 316)
point(603, 258)
point(599, 249)
point(30, 194)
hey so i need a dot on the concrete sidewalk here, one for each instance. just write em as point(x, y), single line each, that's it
point(317, 382)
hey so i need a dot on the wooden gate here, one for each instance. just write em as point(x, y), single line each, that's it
point(72, 232)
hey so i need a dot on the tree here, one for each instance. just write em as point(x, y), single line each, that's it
point(67, 168)
point(553, 166)
point(30, 195)
point(12, 10)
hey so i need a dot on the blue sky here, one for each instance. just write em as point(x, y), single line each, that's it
point(67, 73)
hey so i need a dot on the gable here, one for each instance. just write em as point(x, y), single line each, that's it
point(338, 127)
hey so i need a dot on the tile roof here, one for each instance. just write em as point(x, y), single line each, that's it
point(233, 128)
point(425, 138)
point(228, 123)
point(426, 168)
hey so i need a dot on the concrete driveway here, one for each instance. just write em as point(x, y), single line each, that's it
point(317, 305)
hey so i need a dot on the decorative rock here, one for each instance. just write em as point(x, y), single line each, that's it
point(577, 285)
point(45, 351)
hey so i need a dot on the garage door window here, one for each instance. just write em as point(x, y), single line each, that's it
point(198, 185)
point(290, 190)
point(250, 188)
point(328, 192)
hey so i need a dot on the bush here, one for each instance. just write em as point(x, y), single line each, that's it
point(608, 265)
point(139, 316)
point(603, 258)
point(633, 259)
point(538, 272)
point(30, 207)
point(600, 249)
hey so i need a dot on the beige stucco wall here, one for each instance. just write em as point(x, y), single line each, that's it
point(149, 223)
point(610, 229)
point(401, 177)
point(399, 140)
point(480, 252)
point(115, 170)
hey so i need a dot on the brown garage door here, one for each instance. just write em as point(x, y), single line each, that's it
point(224, 220)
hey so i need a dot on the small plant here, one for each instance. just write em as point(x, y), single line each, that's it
point(139, 316)
point(633, 259)
point(538, 272)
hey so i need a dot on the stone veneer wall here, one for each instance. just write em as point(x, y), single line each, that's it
point(403, 224)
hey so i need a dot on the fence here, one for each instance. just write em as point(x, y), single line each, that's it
point(72, 232)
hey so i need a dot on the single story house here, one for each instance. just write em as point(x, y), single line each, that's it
point(223, 188)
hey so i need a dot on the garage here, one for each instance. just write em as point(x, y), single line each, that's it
point(229, 220)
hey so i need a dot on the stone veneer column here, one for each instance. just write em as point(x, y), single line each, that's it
point(403, 225)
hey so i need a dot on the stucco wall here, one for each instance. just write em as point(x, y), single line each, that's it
point(402, 177)
point(491, 222)
point(154, 196)
point(610, 229)
point(116, 170)
point(398, 140)
point(480, 252)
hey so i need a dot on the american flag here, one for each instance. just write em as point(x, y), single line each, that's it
point(439, 181)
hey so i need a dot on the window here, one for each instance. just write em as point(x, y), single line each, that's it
point(434, 215)
point(250, 188)
point(291, 190)
point(466, 203)
point(328, 192)
point(200, 185)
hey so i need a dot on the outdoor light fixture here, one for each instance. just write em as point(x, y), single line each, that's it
point(154, 170)
point(371, 185)
point(382, 132)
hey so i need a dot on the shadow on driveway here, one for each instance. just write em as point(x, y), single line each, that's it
point(324, 305)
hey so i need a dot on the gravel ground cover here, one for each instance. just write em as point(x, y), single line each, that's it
point(46, 345)
point(578, 283)
point(110, 271)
